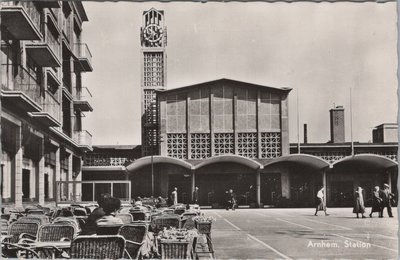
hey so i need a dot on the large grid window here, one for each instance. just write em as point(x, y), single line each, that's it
point(247, 145)
point(200, 146)
point(153, 69)
point(150, 107)
point(270, 145)
point(223, 109)
point(177, 146)
point(224, 143)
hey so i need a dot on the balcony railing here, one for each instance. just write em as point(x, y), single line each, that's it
point(29, 7)
point(52, 106)
point(84, 55)
point(24, 82)
point(83, 138)
point(83, 94)
point(105, 160)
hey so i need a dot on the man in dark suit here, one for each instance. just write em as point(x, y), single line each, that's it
point(386, 196)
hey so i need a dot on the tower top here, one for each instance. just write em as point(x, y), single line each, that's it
point(153, 32)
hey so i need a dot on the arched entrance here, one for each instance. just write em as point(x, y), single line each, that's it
point(292, 180)
point(365, 170)
point(218, 174)
point(158, 175)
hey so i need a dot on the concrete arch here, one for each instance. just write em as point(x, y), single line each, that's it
point(374, 161)
point(147, 161)
point(302, 159)
point(231, 159)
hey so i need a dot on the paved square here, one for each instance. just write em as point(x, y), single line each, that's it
point(297, 233)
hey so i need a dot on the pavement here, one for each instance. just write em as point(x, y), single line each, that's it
point(298, 234)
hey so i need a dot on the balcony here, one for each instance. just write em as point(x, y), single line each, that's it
point(21, 91)
point(84, 139)
point(83, 62)
point(50, 4)
point(81, 100)
point(51, 114)
point(21, 20)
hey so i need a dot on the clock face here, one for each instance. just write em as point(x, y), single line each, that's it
point(153, 33)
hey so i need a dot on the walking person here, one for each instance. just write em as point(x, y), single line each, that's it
point(359, 207)
point(386, 195)
point(196, 195)
point(376, 202)
point(174, 196)
point(320, 202)
point(231, 200)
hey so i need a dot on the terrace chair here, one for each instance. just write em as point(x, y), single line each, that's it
point(125, 217)
point(173, 249)
point(52, 233)
point(179, 211)
point(165, 221)
point(35, 212)
point(68, 220)
point(4, 227)
point(18, 230)
point(42, 218)
point(187, 222)
point(107, 229)
point(139, 215)
point(134, 235)
point(98, 247)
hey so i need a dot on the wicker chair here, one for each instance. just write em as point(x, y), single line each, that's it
point(125, 217)
point(35, 212)
point(134, 235)
point(32, 217)
point(165, 221)
point(56, 232)
point(98, 247)
point(67, 220)
point(172, 249)
point(139, 215)
point(18, 230)
point(4, 227)
point(107, 229)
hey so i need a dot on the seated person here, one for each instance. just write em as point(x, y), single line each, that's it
point(90, 226)
point(110, 207)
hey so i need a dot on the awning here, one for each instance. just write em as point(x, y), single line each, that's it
point(307, 160)
point(366, 161)
point(230, 159)
point(147, 161)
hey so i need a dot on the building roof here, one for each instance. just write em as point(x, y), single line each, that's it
point(224, 80)
point(116, 147)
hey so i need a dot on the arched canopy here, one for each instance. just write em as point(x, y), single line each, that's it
point(372, 161)
point(146, 161)
point(231, 159)
point(307, 160)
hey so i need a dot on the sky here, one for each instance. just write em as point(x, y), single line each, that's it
point(320, 50)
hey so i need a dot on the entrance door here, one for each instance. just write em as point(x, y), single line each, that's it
point(184, 187)
point(271, 190)
point(26, 183)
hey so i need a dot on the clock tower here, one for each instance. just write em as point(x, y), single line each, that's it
point(153, 36)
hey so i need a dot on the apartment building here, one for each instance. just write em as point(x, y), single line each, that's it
point(43, 101)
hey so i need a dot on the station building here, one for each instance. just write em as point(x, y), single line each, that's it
point(43, 101)
point(226, 134)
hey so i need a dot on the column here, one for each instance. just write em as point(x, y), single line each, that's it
point(69, 178)
point(285, 125)
point(40, 174)
point(57, 188)
point(389, 180)
point(324, 185)
point(78, 186)
point(193, 184)
point(18, 168)
point(258, 187)
point(285, 179)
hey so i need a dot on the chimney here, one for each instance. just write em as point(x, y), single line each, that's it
point(337, 124)
point(305, 133)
